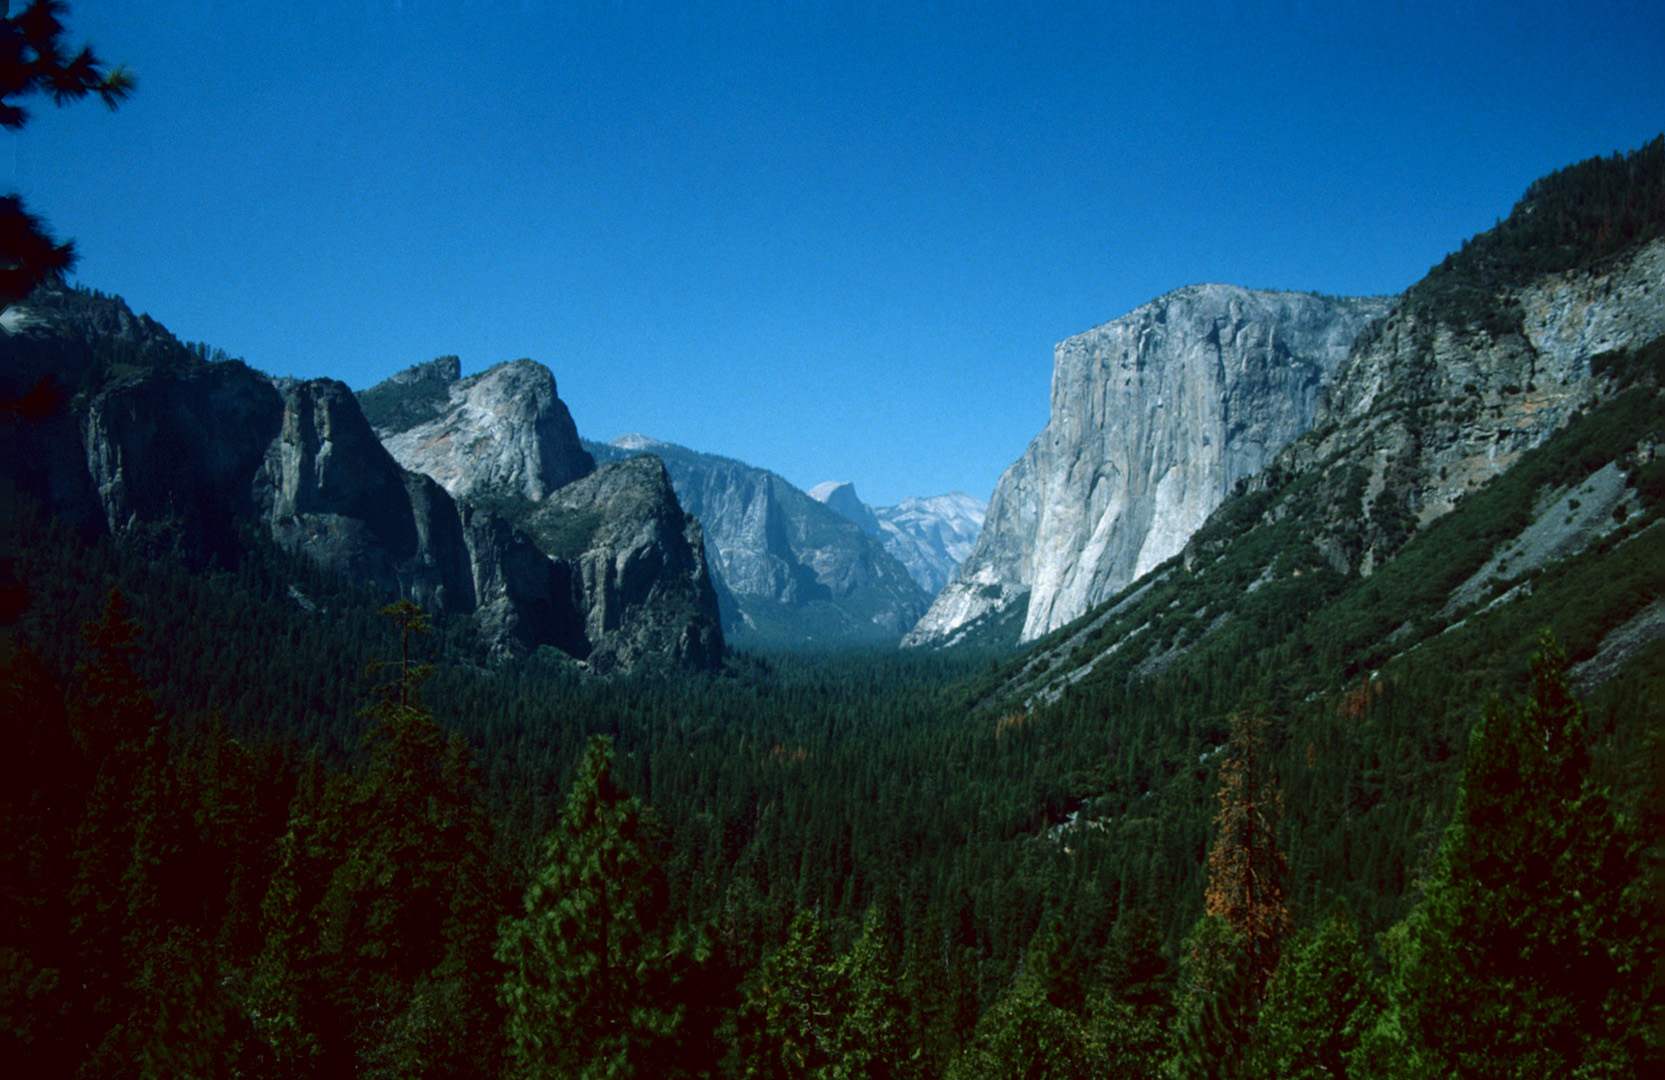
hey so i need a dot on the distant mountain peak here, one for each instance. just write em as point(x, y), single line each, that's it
point(840, 495)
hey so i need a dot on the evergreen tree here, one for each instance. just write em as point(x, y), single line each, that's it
point(587, 991)
point(1129, 1020)
point(1135, 971)
point(1320, 996)
point(33, 60)
point(1531, 952)
point(1215, 1021)
point(795, 1003)
point(116, 723)
point(1050, 965)
point(1026, 1037)
point(1235, 947)
point(377, 951)
point(873, 1037)
point(1246, 866)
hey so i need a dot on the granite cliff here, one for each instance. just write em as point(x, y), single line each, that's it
point(1502, 414)
point(631, 558)
point(638, 563)
point(1428, 407)
point(124, 431)
point(789, 570)
point(1155, 418)
point(502, 433)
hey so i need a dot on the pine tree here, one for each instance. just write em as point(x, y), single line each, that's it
point(1129, 1020)
point(1024, 1035)
point(116, 723)
point(588, 991)
point(1246, 867)
point(873, 1036)
point(33, 61)
point(376, 947)
point(1531, 952)
point(795, 1001)
point(1050, 965)
point(1234, 948)
point(1318, 1000)
point(1215, 1019)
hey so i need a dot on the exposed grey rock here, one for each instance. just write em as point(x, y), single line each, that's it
point(638, 565)
point(1155, 417)
point(930, 537)
point(1565, 521)
point(842, 498)
point(329, 491)
point(786, 566)
point(1619, 645)
point(503, 432)
point(933, 536)
point(181, 456)
point(1432, 411)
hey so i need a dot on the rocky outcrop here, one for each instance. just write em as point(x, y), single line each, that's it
point(94, 390)
point(624, 560)
point(1431, 410)
point(146, 440)
point(328, 490)
point(638, 565)
point(788, 568)
point(1155, 417)
point(502, 433)
point(930, 537)
point(841, 497)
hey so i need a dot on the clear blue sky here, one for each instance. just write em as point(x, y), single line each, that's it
point(838, 240)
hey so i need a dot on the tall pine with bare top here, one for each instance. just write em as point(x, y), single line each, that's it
point(1235, 948)
point(1246, 867)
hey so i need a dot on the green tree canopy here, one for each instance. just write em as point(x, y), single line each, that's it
point(587, 991)
point(1530, 953)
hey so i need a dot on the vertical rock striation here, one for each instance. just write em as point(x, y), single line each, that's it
point(144, 439)
point(1155, 417)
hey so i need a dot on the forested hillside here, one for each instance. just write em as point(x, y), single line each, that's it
point(1264, 814)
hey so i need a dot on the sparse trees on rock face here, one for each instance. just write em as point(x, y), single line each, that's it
point(35, 60)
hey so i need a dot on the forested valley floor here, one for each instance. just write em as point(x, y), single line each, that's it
point(262, 824)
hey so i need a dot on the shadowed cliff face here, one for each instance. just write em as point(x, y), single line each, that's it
point(786, 566)
point(330, 491)
point(149, 442)
point(1155, 417)
point(638, 565)
point(174, 453)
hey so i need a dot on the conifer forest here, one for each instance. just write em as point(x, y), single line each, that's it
point(1347, 788)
